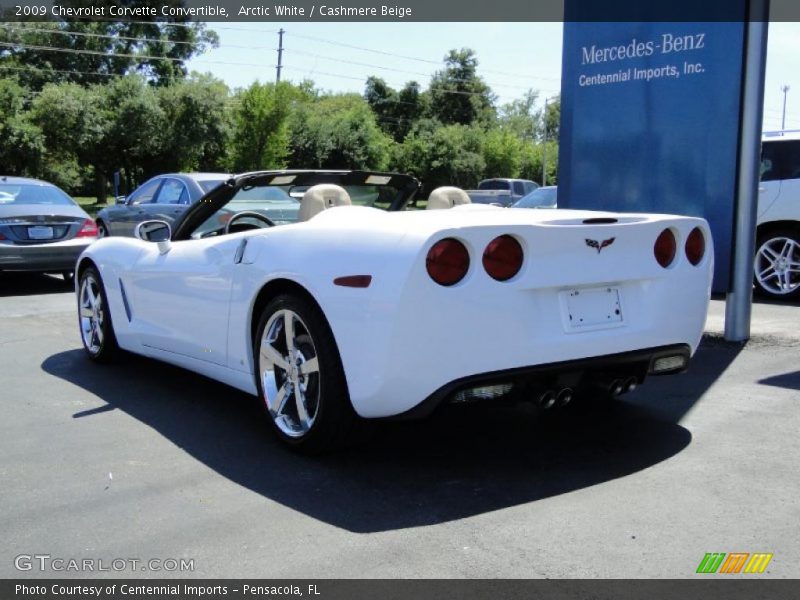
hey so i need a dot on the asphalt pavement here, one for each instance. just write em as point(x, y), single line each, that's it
point(142, 461)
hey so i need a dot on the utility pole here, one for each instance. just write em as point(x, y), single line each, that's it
point(544, 144)
point(785, 90)
point(279, 66)
point(544, 138)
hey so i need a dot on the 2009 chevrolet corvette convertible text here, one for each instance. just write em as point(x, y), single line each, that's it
point(355, 312)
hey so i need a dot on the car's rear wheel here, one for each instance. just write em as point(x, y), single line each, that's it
point(300, 377)
point(94, 318)
point(777, 264)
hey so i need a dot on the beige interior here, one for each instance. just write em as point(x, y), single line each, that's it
point(447, 197)
point(319, 197)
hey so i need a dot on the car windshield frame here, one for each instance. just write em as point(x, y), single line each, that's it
point(405, 188)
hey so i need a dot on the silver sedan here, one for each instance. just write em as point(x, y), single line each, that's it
point(41, 227)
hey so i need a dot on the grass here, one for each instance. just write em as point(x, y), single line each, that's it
point(89, 204)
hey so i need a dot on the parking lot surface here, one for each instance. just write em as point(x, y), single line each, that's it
point(144, 461)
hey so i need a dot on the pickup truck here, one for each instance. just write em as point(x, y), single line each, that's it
point(501, 191)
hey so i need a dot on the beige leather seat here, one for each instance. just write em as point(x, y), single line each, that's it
point(319, 197)
point(447, 197)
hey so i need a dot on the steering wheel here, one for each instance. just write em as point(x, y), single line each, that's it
point(245, 214)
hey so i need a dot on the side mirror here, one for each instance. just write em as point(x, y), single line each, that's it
point(155, 231)
point(120, 200)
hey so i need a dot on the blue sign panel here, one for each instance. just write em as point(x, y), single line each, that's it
point(650, 122)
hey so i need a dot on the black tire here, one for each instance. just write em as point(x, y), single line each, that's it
point(102, 230)
point(101, 348)
point(769, 284)
point(324, 393)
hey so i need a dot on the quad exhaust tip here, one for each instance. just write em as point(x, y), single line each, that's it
point(564, 397)
point(630, 384)
point(547, 399)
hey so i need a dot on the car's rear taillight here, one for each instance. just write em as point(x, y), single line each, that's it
point(447, 261)
point(695, 246)
point(88, 229)
point(502, 258)
point(665, 248)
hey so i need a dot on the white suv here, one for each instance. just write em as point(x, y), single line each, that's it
point(777, 260)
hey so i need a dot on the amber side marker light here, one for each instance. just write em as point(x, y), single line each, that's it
point(665, 248)
point(695, 246)
point(502, 258)
point(447, 262)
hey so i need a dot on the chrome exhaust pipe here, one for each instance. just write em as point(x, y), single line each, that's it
point(630, 384)
point(546, 399)
point(564, 397)
point(616, 387)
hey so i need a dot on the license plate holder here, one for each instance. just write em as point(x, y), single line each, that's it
point(592, 308)
point(40, 232)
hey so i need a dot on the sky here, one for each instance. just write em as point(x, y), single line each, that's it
point(513, 57)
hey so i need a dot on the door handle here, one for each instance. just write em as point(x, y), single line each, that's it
point(762, 190)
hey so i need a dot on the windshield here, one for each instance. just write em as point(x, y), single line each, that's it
point(26, 193)
point(538, 198)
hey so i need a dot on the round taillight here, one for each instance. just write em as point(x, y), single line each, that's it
point(695, 246)
point(665, 247)
point(502, 258)
point(447, 261)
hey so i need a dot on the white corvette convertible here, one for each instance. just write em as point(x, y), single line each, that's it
point(356, 312)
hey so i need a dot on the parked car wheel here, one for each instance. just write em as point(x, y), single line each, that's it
point(300, 377)
point(102, 230)
point(777, 264)
point(94, 318)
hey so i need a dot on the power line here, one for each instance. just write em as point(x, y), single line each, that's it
point(91, 35)
point(415, 58)
point(373, 66)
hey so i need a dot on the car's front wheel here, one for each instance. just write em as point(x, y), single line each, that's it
point(777, 264)
point(102, 230)
point(300, 377)
point(94, 318)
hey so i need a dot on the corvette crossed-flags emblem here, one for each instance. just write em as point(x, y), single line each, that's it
point(599, 245)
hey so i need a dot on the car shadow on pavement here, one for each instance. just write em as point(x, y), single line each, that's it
point(790, 381)
point(461, 462)
point(29, 284)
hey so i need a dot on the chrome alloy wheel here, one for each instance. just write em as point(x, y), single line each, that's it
point(92, 314)
point(777, 267)
point(289, 371)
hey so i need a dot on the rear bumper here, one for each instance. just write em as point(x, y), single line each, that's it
point(571, 373)
point(55, 256)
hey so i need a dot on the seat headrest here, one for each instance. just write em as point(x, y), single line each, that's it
point(319, 197)
point(447, 197)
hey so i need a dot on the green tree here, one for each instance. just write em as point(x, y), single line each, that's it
point(447, 155)
point(260, 126)
point(23, 145)
point(396, 112)
point(520, 117)
point(458, 94)
point(551, 120)
point(91, 51)
point(531, 162)
point(338, 131)
point(502, 153)
point(199, 124)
